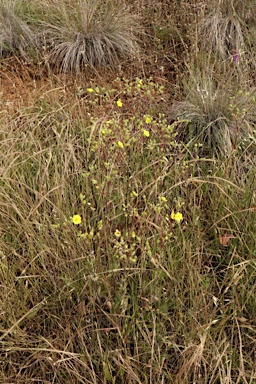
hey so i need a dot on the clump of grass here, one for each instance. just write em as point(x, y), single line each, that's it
point(16, 36)
point(222, 34)
point(89, 33)
point(214, 112)
point(226, 28)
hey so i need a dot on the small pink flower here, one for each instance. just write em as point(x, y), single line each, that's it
point(235, 57)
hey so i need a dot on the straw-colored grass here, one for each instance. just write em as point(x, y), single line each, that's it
point(126, 254)
point(16, 35)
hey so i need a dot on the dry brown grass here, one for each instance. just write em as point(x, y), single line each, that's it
point(129, 295)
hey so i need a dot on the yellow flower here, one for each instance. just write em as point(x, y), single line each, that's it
point(134, 194)
point(120, 144)
point(90, 90)
point(163, 199)
point(147, 119)
point(178, 217)
point(76, 219)
point(119, 103)
point(146, 133)
point(117, 233)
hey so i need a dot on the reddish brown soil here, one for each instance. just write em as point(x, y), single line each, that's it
point(22, 83)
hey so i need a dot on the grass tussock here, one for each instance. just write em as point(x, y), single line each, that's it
point(227, 28)
point(89, 33)
point(17, 37)
point(215, 112)
point(222, 34)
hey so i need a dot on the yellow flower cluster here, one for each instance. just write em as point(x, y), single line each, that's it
point(146, 133)
point(120, 144)
point(178, 217)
